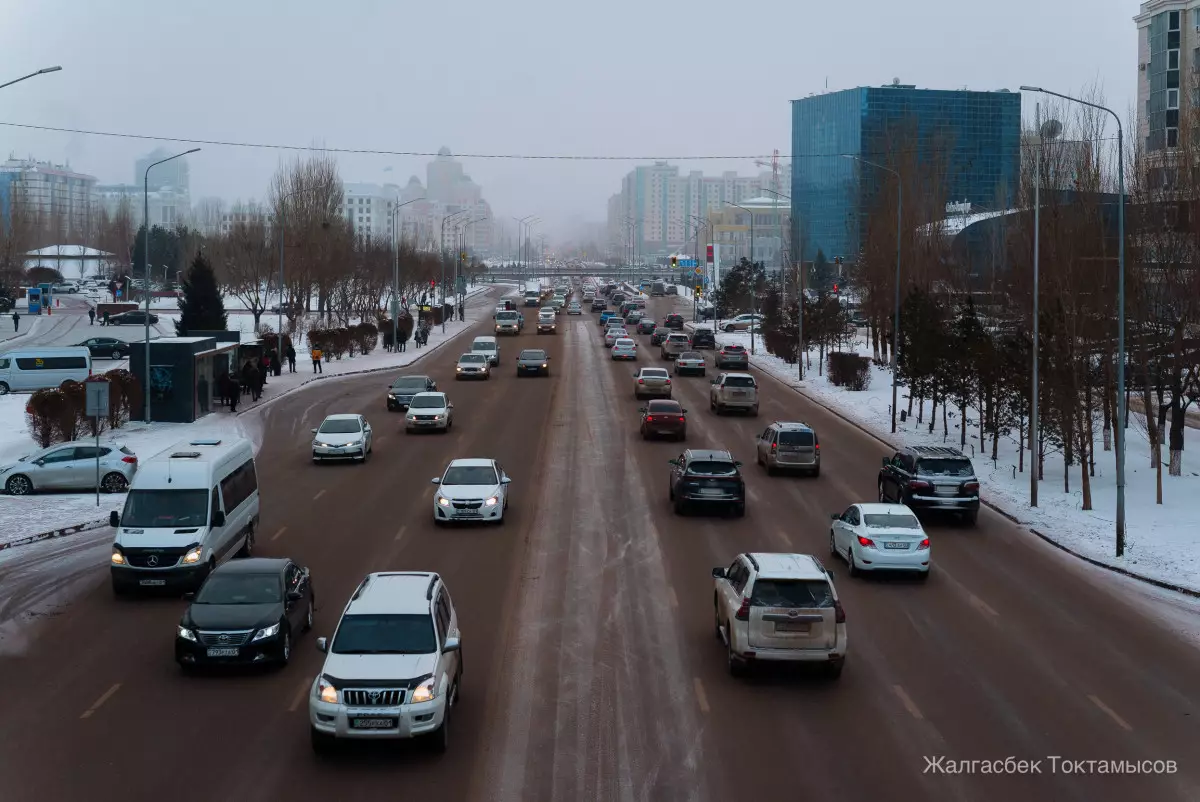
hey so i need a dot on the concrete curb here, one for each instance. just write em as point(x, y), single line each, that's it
point(65, 531)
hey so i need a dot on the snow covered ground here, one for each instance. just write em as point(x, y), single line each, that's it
point(1162, 541)
point(26, 517)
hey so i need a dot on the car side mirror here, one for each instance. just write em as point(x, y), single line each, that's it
point(684, 411)
point(437, 480)
point(830, 574)
point(322, 644)
point(449, 406)
point(674, 462)
point(314, 431)
point(738, 464)
point(218, 518)
point(189, 595)
point(718, 573)
point(505, 481)
point(294, 596)
point(114, 518)
point(451, 645)
point(835, 516)
point(886, 462)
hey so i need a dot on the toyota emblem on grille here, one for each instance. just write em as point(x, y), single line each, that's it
point(152, 560)
point(793, 613)
point(374, 696)
point(223, 638)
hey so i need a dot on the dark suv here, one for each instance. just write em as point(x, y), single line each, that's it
point(704, 337)
point(674, 321)
point(931, 478)
point(704, 478)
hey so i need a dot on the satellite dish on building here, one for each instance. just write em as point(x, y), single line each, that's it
point(895, 82)
point(1050, 130)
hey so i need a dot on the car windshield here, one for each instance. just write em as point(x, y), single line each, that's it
point(712, 468)
point(533, 355)
point(428, 402)
point(885, 520)
point(385, 634)
point(506, 315)
point(739, 381)
point(624, 343)
point(411, 383)
point(805, 594)
point(470, 475)
point(472, 358)
point(241, 589)
point(796, 439)
point(949, 466)
point(340, 426)
point(483, 346)
point(165, 508)
point(678, 338)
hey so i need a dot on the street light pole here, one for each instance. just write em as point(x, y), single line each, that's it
point(146, 257)
point(42, 71)
point(1034, 451)
point(1122, 412)
point(395, 273)
point(442, 254)
point(521, 242)
point(801, 351)
point(754, 286)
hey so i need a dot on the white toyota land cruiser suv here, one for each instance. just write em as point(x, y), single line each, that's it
point(394, 666)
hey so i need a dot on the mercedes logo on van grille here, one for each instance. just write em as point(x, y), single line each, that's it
point(152, 560)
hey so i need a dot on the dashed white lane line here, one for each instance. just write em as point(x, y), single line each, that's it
point(908, 703)
point(104, 697)
point(1122, 723)
point(701, 696)
point(301, 692)
point(982, 606)
point(276, 536)
point(400, 534)
point(671, 597)
point(320, 493)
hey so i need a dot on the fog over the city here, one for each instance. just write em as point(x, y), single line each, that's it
point(666, 78)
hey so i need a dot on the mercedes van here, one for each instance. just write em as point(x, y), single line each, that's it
point(37, 368)
point(189, 509)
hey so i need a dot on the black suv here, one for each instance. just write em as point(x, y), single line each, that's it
point(931, 478)
point(674, 321)
point(704, 337)
point(705, 478)
point(401, 391)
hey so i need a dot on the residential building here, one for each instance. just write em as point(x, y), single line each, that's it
point(732, 230)
point(53, 194)
point(168, 207)
point(973, 138)
point(245, 213)
point(1168, 68)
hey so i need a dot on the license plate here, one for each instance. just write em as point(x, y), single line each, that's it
point(425, 422)
point(152, 583)
point(739, 393)
point(711, 491)
point(896, 546)
point(373, 723)
point(793, 627)
point(229, 652)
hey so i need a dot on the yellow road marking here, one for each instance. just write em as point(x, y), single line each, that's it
point(104, 697)
point(701, 696)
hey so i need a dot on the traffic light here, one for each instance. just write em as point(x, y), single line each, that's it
point(698, 290)
point(835, 288)
point(674, 262)
point(432, 284)
point(710, 253)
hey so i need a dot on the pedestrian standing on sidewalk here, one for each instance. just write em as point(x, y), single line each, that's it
point(401, 339)
point(254, 381)
point(203, 394)
point(262, 380)
point(16, 322)
point(291, 358)
point(276, 365)
point(91, 317)
point(235, 392)
point(105, 321)
point(264, 367)
point(316, 360)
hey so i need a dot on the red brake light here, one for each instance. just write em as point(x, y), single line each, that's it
point(971, 487)
point(866, 542)
point(817, 447)
point(668, 381)
point(774, 446)
point(641, 381)
point(743, 613)
point(649, 417)
point(130, 460)
point(839, 615)
point(917, 484)
point(682, 419)
point(924, 544)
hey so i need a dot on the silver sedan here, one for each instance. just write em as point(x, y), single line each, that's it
point(690, 362)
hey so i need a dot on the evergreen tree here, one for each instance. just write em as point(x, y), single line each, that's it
point(201, 306)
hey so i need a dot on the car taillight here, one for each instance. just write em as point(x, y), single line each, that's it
point(130, 460)
point(839, 615)
point(641, 381)
point(649, 417)
point(668, 381)
point(917, 484)
point(866, 542)
point(682, 419)
point(743, 613)
point(924, 544)
point(817, 447)
point(971, 487)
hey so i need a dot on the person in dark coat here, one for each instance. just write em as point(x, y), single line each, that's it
point(203, 395)
point(247, 385)
point(291, 358)
point(401, 338)
point(276, 367)
point(235, 390)
point(253, 377)
point(91, 317)
point(16, 322)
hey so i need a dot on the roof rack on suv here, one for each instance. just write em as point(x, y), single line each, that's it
point(936, 451)
point(433, 580)
point(753, 561)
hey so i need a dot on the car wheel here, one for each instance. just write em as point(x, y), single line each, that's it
point(717, 621)
point(739, 510)
point(322, 744)
point(120, 590)
point(815, 472)
point(3, 388)
point(18, 485)
point(882, 497)
point(754, 411)
point(970, 518)
point(833, 669)
point(308, 616)
point(924, 575)
point(118, 355)
point(833, 552)
point(730, 328)
point(247, 549)
point(114, 483)
point(680, 507)
point(439, 522)
point(285, 656)
point(851, 566)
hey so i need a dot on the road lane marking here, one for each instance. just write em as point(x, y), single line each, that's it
point(981, 605)
point(459, 440)
point(320, 493)
point(300, 694)
point(400, 534)
point(104, 697)
point(275, 536)
point(753, 494)
point(671, 596)
point(701, 696)
point(1122, 723)
point(908, 703)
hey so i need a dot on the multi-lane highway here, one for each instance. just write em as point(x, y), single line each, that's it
point(591, 667)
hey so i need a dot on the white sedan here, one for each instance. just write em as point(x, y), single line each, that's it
point(624, 348)
point(574, 308)
point(613, 334)
point(880, 537)
point(471, 490)
point(429, 412)
point(342, 437)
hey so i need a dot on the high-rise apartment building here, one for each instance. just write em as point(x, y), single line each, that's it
point(973, 138)
point(172, 174)
point(1168, 69)
point(53, 196)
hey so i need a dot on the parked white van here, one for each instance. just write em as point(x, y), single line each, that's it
point(189, 509)
point(37, 368)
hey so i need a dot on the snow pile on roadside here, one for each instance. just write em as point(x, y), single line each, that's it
point(1162, 541)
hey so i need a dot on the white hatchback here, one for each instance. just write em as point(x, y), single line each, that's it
point(471, 490)
point(880, 537)
point(624, 348)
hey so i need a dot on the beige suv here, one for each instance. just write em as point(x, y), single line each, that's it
point(733, 391)
point(674, 345)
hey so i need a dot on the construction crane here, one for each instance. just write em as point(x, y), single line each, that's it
point(774, 165)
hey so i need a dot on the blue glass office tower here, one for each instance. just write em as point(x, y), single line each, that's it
point(979, 134)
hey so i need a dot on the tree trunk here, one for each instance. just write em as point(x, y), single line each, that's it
point(910, 402)
point(962, 426)
point(933, 398)
point(1089, 435)
point(1086, 444)
point(1020, 439)
point(1175, 437)
point(1108, 402)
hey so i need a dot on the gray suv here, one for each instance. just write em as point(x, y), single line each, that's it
point(674, 345)
point(931, 478)
point(789, 446)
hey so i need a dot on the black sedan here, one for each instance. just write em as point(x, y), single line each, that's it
point(132, 317)
point(106, 347)
point(533, 362)
point(248, 612)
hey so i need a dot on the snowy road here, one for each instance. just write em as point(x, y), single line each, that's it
point(592, 672)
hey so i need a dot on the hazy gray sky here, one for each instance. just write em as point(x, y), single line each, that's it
point(649, 78)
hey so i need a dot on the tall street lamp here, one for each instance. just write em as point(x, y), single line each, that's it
point(146, 256)
point(754, 288)
point(801, 351)
point(529, 239)
point(42, 71)
point(395, 271)
point(1121, 410)
point(896, 311)
point(442, 251)
point(521, 221)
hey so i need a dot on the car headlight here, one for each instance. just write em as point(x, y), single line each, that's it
point(319, 444)
point(458, 368)
point(193, 556)
point(186, 634)
point(492, 502)
point(439, 416)
point(266, 632)
point(326, 692)
point(357, 442)
point(117, 557)
point(545, 365)
point(392, 396)
point(443, 501)
point(425, 691)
